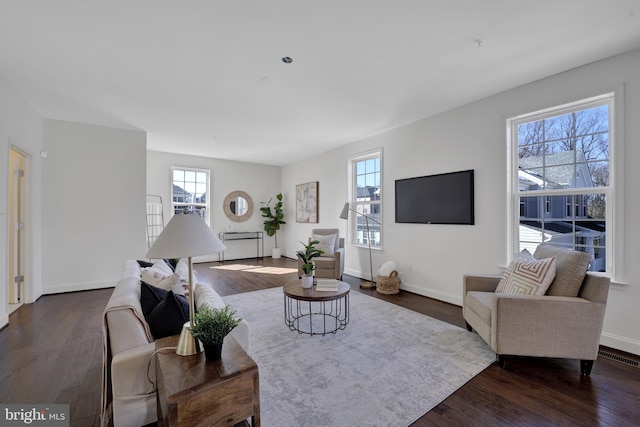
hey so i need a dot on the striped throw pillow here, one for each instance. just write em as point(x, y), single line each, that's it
point(528, 277)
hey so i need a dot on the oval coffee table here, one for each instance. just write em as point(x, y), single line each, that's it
point(313, 312)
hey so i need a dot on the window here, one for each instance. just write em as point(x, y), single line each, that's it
point(366, 199)
point(189, 191)
point(562, 171)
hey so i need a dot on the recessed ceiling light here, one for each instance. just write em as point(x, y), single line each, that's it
point(287, 59)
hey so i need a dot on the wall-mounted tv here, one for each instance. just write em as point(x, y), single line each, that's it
point(436, 199)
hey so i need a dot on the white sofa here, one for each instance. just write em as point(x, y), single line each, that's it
point(128, 393)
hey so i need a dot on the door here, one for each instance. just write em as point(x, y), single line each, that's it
point(16, 232)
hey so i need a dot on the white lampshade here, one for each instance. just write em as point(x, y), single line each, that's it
point(345, 211)
point(186, 235)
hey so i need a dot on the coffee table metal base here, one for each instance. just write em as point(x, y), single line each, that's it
point(316, 317)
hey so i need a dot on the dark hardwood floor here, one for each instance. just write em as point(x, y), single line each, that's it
point(51, 352)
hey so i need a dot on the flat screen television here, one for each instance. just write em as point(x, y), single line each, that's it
point(445, 198)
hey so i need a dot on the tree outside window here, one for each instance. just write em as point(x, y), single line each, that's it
point(563, 178)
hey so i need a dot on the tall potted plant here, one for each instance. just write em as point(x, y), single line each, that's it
point(310, 252)
point(274, 218)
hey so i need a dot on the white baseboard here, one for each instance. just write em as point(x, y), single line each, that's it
point(430, 293)
point(73, 287)
point(355, 273)
point(4, 320)
point(620, 343)
point(292, 255)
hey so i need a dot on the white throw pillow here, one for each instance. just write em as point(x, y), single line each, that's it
point(157, 273)
point(182, 270)
point(172, 283)
point(528, 277)
point(327, 243)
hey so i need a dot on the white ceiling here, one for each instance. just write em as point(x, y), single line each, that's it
point(205, 77)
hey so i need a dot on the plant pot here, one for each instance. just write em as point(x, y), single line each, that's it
point(276, 253)
point(307, 281)
point(213, 352)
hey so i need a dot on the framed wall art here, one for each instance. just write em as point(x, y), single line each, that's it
point(307, 202)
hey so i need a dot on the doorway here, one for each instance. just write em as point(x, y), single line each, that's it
point(16, 279)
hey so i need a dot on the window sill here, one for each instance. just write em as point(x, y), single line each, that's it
point(619, 285)
point(373, 248)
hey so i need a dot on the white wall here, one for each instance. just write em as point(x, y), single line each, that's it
point(81, 245)
point(93, 204)
point(261, 182)
point(474, 137)
point(20, 126)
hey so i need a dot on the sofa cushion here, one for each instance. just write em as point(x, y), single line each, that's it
point(324, 263)
point(528, 277)
point(205, 295)
point(481, 303)
point(571, 268)
point(327, 243)
point(168, 316)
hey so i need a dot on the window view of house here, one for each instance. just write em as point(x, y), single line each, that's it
point(189, 191)
point(368, 199)
point(563, 180)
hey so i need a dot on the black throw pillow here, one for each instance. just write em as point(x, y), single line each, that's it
point(171, 263)
point(150, 297)
point(168, 316)
point(144, 264)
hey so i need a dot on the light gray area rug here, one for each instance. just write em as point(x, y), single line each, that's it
point(387, 368)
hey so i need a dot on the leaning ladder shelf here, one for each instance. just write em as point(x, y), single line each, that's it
point(155, 218)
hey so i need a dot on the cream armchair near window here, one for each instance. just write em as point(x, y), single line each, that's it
point(329, 266)
point(563, 323)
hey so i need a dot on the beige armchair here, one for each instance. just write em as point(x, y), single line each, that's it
point(330, 266)
point(566, 322)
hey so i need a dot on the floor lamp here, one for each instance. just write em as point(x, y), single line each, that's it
point(185, 236)
point(345, 215)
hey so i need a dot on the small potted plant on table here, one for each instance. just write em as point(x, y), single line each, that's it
point(310, 251)
point(210, 326)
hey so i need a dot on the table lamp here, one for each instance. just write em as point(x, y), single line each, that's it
point(345, 215)
point(185, 236)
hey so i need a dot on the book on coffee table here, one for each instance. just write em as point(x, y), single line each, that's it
point(327, 285)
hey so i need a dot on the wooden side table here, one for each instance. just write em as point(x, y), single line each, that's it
point(194, 392)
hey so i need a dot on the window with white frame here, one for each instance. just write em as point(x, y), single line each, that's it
point(561, 179)
point(366, 199)
point(190, 190)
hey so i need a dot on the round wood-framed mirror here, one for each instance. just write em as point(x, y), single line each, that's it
point(238, 206)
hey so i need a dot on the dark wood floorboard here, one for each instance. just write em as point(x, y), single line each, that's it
point(51, 352)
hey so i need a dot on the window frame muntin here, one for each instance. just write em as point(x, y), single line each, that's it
point(352, 196)
point(206, 205)
point(614, 192)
